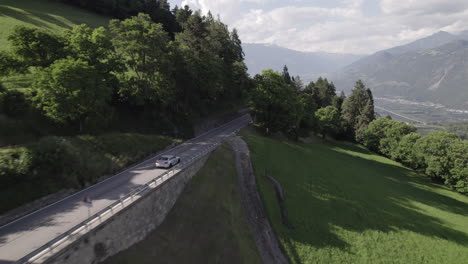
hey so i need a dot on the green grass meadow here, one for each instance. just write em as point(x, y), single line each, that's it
point(347, 205)
point(206, 225)
point(46, 14)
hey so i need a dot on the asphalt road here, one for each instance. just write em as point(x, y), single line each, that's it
point(22, 236)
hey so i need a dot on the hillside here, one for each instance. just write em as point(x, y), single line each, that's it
point(344, 204)
point(206, 225)
point(46, 14)
point(78, 87)
point(308, 65)
point(431, 69)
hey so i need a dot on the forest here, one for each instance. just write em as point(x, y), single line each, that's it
point(103, 98)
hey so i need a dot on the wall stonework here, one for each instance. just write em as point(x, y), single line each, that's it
point(130, 225)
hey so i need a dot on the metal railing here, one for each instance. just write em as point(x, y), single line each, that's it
point(54, 246)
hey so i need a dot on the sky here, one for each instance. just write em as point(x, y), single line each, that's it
point(338, 26)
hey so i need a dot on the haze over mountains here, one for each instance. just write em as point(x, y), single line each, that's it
point(308, 65)
point(432, 69)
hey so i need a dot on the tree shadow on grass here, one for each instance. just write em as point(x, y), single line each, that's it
point(345, 191)
point(32, 17)
point(22, 16)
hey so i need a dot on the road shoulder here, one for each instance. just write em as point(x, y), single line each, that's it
point(265, 238)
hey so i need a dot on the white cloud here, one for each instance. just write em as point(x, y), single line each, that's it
point(415, 7)
point(344, 28)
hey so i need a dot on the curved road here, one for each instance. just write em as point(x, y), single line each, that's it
point(22, 236)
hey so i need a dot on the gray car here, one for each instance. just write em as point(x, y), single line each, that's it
point(167, 161)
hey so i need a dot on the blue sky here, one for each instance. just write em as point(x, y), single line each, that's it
point(341, 26)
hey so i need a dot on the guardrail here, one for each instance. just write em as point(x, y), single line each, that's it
point(54, 246)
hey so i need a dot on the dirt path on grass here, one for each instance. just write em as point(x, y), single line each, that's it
point(265, 238)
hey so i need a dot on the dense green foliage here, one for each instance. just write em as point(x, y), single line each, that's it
point(281, 103)
point(440, 155)
point(71, 90)
point(358, 110)
point(345, 204)
point(54, 163)
point(383, 134)
point(135, 76)
point(138, 67)
point(328, 120)
point(206, 225)
point(275, 104)
point(35, 47)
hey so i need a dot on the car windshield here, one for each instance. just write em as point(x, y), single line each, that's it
point(163, 158)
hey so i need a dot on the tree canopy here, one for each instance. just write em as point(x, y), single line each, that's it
point(275, 104)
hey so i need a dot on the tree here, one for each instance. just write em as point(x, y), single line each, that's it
point(309, 101)
point(389, 144)
point(458, 152)
point(95, 47)
point(432, 153)
point(144, 48)
point(204, 61)
point(383, 135)
point(182, 14)
point(325, 92)
point(297, 83)
point(338, 101)
point(358, 110)
point(375, 132)
point(71, 90)
point(9, 64)
point(36, 47)
point(286, 77)
point(404, 152)
point(328, 119)
point(237, 46)
point(275, 105)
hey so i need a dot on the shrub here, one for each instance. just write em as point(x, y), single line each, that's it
point(13, 103)
point(54, 163)
point(458, 152)
point(432, 154)
point(383, 135)
point(15, 165)
point(404, 152)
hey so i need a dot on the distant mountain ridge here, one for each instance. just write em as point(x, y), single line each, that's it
point(433, 69)
point(308, 65)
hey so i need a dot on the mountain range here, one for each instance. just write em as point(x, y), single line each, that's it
point(434, 68)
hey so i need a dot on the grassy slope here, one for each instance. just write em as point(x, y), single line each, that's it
point(206, 225)
point(45, 14)
point(347, 205)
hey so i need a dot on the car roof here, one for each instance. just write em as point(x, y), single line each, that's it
point(167, 156)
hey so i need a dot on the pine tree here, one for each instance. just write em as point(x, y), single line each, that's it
point(286, 76)
point(358, 109)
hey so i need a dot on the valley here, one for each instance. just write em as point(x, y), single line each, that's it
point(419, 113)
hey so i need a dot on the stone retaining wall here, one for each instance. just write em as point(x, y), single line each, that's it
point(130, 225)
